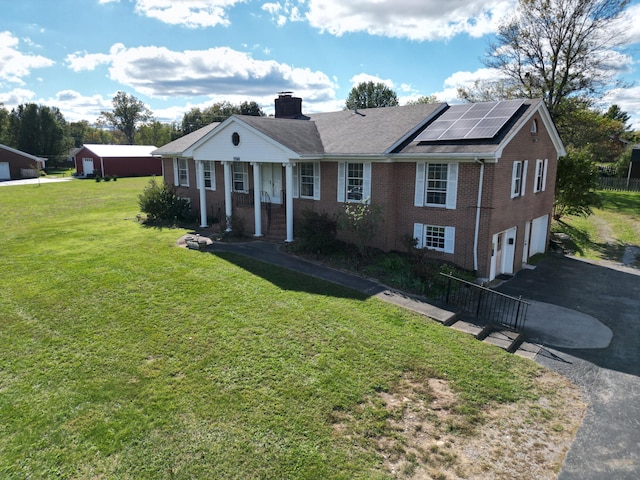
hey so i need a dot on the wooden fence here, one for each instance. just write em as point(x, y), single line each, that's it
point(620, 184)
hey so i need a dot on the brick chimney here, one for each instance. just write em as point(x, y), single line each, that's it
point(288, 106)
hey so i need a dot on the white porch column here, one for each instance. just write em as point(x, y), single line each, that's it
point(257, 204)
point(203, 193)
point(288, 168)
point(228, 183)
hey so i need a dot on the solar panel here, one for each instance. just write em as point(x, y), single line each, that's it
point(471, 121)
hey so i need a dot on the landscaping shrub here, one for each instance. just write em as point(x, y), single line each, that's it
point(362, 221)
point(316, 232)
point(160, 202)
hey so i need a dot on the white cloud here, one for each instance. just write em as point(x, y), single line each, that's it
point(631, 24)
point(449, 93)
point(80, 61)
point(15, 65)
point(76, 107)
point(365, 77)
point(213, 73)
point(191, 13)
point(16, 97)
point(628, 99)
point(412, 19)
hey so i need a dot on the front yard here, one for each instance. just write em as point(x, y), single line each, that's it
point(126, 357)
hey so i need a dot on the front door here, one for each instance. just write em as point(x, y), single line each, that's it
point(503, 251)
point(272, 182)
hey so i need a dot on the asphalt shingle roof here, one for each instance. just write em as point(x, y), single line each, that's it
point(178, 146)
point(369, 131)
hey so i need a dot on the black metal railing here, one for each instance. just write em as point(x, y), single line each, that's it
point(484, 303)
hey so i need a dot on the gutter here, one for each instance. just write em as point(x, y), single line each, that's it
point(476, 234)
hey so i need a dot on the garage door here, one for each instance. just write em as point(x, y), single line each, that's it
point(539, 235)
point(5, 173)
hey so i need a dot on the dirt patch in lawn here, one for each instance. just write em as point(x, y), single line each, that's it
point(432, 439)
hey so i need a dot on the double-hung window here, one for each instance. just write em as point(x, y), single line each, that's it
point(436, 185)
point(437, 175)
point(209, 175)
point(180, 172)
point(519, 178)
point(306, 180)
point(240, 177)
point(541, 176)
point(354, 182)
point(434, 237)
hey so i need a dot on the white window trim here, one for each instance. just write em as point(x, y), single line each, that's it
point(540, 183)
point(245, 177)
point(342, 182)
point(421, 186)
point(212, 167)
point(420, 232)
point(297, 182)
point(523, 178)
point(176, 172)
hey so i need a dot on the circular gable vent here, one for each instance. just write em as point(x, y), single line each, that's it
point(235, 138)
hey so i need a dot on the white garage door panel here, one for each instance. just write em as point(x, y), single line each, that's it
point(5, 173)
point(539, 235)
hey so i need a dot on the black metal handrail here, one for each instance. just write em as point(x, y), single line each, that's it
point(485, 303)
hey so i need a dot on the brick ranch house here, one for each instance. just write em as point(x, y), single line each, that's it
point(116, 160)
point(15, 164)
point(472, 183)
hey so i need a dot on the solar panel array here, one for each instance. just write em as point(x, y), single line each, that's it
point(471, 121)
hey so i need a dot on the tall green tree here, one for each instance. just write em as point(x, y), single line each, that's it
point(576, 184)
point(555, 49)
point(154, 133)
point(4, 124)
point(423, 99)
point(371, 95)
point(83, 132)
point(589, 131)
point(39, 130)
point(128, 112)
point(218, 112)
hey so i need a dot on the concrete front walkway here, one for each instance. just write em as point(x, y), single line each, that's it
point(33, 181)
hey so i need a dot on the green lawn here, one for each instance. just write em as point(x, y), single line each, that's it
point(123, 356)
point(605, 234)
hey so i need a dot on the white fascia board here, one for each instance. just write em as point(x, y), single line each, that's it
point(355, 157)
point(188, 152)
point(411, 133)
point(447, 157)
point(237, 120)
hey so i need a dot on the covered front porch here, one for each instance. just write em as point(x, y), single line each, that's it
point(265, 187)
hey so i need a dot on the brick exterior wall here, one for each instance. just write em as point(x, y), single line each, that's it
point(393, 188)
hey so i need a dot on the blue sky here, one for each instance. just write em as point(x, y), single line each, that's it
point(178, 54)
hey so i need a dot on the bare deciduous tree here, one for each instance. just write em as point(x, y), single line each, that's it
point(553, 49)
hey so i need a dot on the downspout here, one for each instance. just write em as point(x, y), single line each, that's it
point(102, 166)
point(478, 210)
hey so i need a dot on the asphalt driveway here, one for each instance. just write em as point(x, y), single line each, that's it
point(604, 359)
